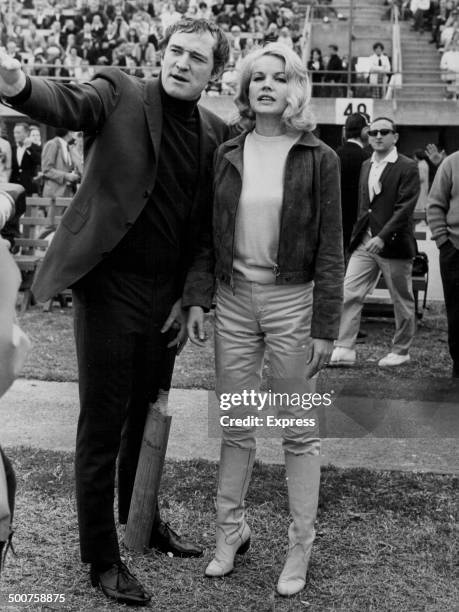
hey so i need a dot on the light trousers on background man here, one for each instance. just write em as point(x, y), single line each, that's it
point(361, 275)
point(253, 318)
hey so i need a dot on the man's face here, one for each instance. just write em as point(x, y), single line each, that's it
point(385, 141)
point(19, 134)
point(187, 64)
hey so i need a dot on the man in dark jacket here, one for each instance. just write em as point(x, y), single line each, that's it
point(352, 154)
point(25, 158)
point(334, 74)
point(134, 246)
point(382, 241)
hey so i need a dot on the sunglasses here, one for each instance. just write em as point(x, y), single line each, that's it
point(383, 132)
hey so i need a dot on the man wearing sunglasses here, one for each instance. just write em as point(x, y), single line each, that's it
point(382, 241)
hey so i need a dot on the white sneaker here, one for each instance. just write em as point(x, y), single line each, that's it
point(343, 356)
point(393, 359)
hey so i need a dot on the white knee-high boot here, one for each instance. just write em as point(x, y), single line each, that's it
point(303, 481)
point(233, 533)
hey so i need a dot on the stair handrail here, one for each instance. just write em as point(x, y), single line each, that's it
point(306, 35)
point(396, 79)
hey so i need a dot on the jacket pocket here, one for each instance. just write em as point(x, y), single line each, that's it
point(73, 220)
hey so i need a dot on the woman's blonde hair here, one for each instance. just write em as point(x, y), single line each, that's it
point(297, 115)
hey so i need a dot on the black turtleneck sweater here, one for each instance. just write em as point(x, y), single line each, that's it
point(154, 244)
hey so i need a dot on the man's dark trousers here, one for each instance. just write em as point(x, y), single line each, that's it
point(120, 351)
point(449, 269)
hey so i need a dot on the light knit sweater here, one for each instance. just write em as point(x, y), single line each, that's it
point(443, 202)
point(260, 205)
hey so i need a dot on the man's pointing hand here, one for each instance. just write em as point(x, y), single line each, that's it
point(12, 78)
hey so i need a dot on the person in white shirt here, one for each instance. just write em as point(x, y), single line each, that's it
point(382, 242)
point(5, 160)
point(379, 69)
point(418, 9)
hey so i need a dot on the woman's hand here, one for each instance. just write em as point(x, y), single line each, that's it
point(195, 325)
point(319, 357)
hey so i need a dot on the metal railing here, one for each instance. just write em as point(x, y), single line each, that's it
point(306, 36)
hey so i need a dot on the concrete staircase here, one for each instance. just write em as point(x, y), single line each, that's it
point(421, 67)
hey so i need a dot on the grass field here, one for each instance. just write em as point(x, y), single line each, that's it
point(53, 355)
point(385, 542)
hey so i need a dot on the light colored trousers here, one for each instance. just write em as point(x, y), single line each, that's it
point(249, 321)
point(361, 275)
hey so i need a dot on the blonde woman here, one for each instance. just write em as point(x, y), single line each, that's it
point(279, 266)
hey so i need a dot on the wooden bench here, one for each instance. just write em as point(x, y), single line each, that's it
point(377, 308)
point(41, 214)
point(58, 210)
point(31, 248)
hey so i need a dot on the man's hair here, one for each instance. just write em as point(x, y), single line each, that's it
point(61, 132)
point(298, 114)
point(378, 44)
point(24, 125)
point(201, 26)
point(334, 47)
point(354, 125)
point(391, 121)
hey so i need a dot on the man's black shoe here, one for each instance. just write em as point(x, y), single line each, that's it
point(119, 584)
point(164, 539)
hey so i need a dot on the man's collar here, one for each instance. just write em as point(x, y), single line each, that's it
point(390, 158)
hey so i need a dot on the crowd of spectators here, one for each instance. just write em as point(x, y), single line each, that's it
point(69, 39)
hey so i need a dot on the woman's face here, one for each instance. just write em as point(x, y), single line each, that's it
point(268, 86)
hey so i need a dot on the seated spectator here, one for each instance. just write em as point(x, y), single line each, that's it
point(132, 35)
point(257, 21)
point(145, 52)
point(98, 28)
point(379, 69)
point(449, 31)
point(43, 15)
point(236, 43)
point(72, 61)
point(229, 79)
point(69, 27)
point(58, 71)
point(204, 11)
point(12, 50)
point(240, 18)
point(32, 39)
point(224, 19)
point(285, 38)
point(449, 66)
point(218, 7)
point(93, 8)
point(272, 34)
point(117, 29)
point(169, 15)
point(316, 68)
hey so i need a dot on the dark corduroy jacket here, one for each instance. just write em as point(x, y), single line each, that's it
point(310, 240)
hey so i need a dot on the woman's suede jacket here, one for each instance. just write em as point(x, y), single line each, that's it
point(310, 242)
